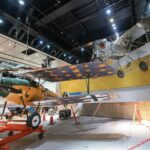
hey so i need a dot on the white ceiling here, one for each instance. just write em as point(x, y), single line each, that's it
point(12, 50)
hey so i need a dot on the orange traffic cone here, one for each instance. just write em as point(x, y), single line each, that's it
point(51, 120)
point(44, 117)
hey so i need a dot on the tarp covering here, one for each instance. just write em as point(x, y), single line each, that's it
point(79, 71)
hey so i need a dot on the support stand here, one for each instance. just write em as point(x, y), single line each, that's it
point(97, 108)
point(38, 107)
point(23, 131)
point(74, 116)
point(88, 85)
point(136, 112)
point(31, 125)
point(26, 112)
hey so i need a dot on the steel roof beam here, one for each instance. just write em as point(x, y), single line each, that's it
point(62, 10)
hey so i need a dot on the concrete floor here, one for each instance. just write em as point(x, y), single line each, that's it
point(91, 134)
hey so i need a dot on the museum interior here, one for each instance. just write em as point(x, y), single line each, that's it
point(74, 74)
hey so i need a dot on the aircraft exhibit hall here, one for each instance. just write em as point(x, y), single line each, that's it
point(74, 75)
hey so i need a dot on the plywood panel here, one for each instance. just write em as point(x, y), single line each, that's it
point(120, 110)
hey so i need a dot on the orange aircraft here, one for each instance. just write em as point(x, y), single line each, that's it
point(23, 90)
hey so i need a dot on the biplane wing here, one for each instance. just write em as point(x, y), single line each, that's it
point(72, 100)
point(124, 95)
point(79, 71)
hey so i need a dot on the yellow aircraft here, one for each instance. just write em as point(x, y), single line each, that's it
point(24, 90)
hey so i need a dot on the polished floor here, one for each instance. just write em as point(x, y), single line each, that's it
point(91, 134)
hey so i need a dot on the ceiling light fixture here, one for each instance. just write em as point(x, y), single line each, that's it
point(58, 1)
point(9, 44)
point(1, 20)
point(111, 20)
point(70, 57)
point(77, 61)
point(48, 46)
point(108, 11)
point(41, 42)
point(65, 55)
point(18, 18)
point(1, 49)
point(82, 49)
point(114, 27)
point(21, 2)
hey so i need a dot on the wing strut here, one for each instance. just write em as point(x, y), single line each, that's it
point(88, 85)
point(38, 107)
point(26, 111)
point(88, 89)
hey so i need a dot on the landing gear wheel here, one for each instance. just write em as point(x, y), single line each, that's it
point(41, 136)
point(11, 133)
point(143, 66)
point(120, 73)
point(34, 120)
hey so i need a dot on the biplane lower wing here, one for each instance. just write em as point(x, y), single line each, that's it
point(124, 95)
point(79, 71)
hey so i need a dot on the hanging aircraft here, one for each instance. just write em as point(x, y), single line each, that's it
point(11, 66)
point(131, 46)
point(23, 90)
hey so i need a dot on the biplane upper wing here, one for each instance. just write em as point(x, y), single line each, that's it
point(79, 71)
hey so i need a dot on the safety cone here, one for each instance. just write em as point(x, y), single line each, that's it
point(51, 120)
point(44, 117)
